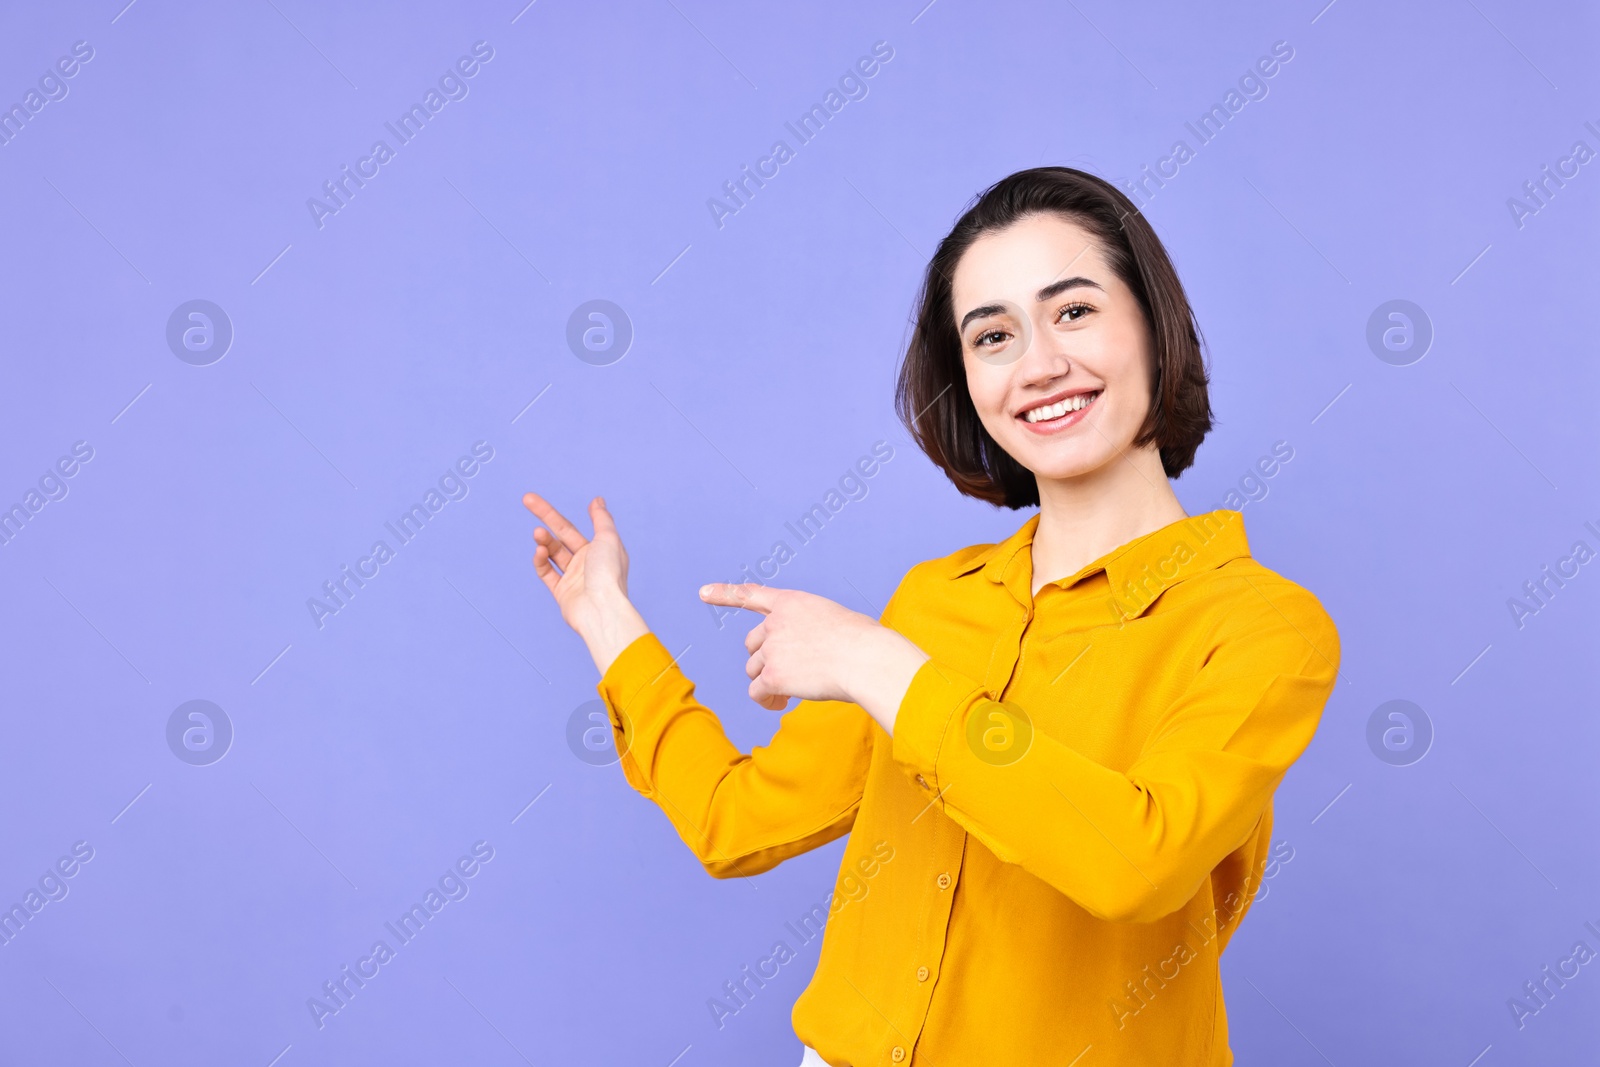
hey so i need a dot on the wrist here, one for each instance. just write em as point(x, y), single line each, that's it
point(610, 627)
point(881, 673)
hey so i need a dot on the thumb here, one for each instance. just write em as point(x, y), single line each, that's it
point(603, 522)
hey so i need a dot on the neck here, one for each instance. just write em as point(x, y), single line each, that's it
point(1083, 518)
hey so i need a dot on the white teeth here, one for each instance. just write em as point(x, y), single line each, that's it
point(1055, 411)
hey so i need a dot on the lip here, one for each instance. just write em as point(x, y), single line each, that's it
point(1065, 422)
point(1053, 398)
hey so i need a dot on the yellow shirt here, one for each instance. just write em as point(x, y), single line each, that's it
point(1068, 824)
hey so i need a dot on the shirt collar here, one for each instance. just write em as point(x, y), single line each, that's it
point(1138, 572)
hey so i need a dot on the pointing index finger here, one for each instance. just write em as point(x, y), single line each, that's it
point(746, 595)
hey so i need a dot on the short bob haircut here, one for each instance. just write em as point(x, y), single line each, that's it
point(947, 427)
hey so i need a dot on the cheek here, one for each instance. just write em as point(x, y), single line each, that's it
point(1123, 417)
point(987, 387)
point(1129, 375)
point(1133, 395)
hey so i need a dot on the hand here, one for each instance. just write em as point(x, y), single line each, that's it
point(591, 585)
point(812, 648)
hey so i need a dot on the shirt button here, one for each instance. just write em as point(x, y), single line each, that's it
point(944, 881)
point(923, 782)
point(897, 1054)
point(922, 974)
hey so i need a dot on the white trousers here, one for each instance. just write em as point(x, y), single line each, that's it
point(811, 1059)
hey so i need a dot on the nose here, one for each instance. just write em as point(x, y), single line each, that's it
point(1047, 357)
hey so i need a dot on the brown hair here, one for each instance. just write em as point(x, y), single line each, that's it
point(931, 396)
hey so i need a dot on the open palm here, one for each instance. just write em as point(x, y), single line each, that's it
point(580, 572)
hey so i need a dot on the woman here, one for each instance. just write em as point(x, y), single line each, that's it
point(1057, 753)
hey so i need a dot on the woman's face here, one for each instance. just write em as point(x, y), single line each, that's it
point(1049, 331)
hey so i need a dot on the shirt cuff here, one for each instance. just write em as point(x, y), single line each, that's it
point(932, 715)
point(625, 688)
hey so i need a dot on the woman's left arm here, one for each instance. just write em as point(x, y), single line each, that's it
point(1127, 846)
point(1134, 845)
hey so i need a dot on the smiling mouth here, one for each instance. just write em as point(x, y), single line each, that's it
point(1061, 409)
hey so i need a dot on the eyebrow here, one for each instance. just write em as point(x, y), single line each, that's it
point(1051, 290)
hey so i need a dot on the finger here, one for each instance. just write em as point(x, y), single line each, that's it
point(770, 701)
point(543, 568)
point(739, 595)
point(559, 555)
point(760, 691)
point(603, 522)
point(568, 533)
point(755, 637)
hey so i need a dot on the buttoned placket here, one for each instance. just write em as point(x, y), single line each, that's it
point(950, 840)
point(1003, 665)
point(948, 853)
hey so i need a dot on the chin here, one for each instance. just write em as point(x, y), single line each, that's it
point(1059, 464)
point(1064, 473)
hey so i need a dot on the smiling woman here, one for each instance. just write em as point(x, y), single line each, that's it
point(1042, 273)
point(1070, 738)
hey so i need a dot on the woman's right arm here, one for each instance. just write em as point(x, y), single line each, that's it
point(740, 814)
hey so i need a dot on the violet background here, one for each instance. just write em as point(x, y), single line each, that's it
point(426, 315)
